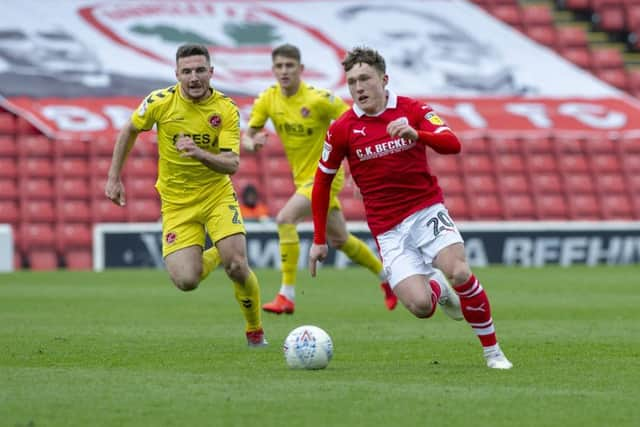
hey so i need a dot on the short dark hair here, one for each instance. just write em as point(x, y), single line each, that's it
point(288, 51)
point(192, 50)
point(364, 55)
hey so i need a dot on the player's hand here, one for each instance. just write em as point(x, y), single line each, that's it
point(401, 128)
point(316, 253)
point(114, 190)
point(187, 147)
point(256, 142)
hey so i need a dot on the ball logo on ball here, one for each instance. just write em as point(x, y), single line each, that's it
point(308, 347)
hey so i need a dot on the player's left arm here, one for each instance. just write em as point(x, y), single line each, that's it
point(430, 130)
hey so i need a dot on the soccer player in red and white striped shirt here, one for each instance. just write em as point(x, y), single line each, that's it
point(384, 138)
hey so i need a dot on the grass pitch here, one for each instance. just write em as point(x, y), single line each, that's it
point(124, 348)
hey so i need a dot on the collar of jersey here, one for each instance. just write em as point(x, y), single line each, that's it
point(392, 102)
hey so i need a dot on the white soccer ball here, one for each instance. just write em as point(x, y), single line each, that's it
point(308, 347)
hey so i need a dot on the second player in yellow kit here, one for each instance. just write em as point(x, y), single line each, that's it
point(198, 142)
point(301, 116)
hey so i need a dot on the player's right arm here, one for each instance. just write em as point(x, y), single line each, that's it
point(254, 138)
point(333, 152)
point(114, 188)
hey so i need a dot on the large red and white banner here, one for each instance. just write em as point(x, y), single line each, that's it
point(79, 67)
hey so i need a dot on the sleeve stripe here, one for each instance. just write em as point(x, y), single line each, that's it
point(442, 129)
point(327, 170)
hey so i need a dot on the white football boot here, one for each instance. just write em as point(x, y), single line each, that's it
point(496, 359)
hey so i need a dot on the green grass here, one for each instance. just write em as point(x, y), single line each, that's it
point(124, 348)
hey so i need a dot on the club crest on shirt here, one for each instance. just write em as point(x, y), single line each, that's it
point(326, 151)
point(171, 237)
point(215, 120)
point(305, 112)
point(433, 118)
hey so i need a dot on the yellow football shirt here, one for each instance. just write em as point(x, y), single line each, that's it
point(301, 122)
point(213, 124)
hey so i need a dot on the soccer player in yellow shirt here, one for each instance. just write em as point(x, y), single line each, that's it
point(198, 142)
point(301, 115)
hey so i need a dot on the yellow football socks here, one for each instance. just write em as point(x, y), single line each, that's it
point(248, 297)
point(360, 253)
point(289, 252)
point(210, 260)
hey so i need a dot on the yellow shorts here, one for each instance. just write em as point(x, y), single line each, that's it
point(186, 225)
point(336, 186)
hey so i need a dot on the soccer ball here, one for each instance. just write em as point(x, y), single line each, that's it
point(308, 347)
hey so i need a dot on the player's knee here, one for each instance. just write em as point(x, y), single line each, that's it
point(459, 273)
point(422, 308)
point(237, 269)
point(186, 283)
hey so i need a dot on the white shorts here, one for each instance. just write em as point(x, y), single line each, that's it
point(410, 247)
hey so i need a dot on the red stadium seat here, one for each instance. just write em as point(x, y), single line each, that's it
point(8, 146)
point(36, 189)
point(37, 235)
point(616, 206)
point(604, 145)
point(273, 148)
point(507, 13)
point(280, 186)
point(104, 210)
point(78, 259)
point(537, 15)
point(542, 34)
point(24, 127)
point(457, 207)
point(616, 77)
point(510, 163)
point(141, 187)
point(73, 167)
point(631, 162)
point(73, 236)
point(611, 183)
point(481, 183)
point(519, 207)
point(275, 204)
point(571, 36)
point(580, 56)
point(8, 189)
point(7, 124)
point(441, 164)
point(9, 212)
point(584, 207)
point(542, 163)
point(8, 168)
point(249, 166)
point(451, 184)
point(629, 145)
point(99, 166)
point(546, 183)
point(633, 184)
point(477, 163)
point(579, 183)
point(37, 211)
point(506, 145)
point(607, 57)
point(477, 144)
point(538, 145)
point(573, 163)
point(146, 145)
point(276, 166)
point(36, 167)
point(513, 183)
point(603, 163)
point(73, 189)
point(485, 207)
point(71, 147)
point(564, 144)
point(42, 259)
point(74, 211)
point(143, 210)
point(142, 166)
point(101, 147)
point(34, 146)
point(610, 17)
point(552, 207)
